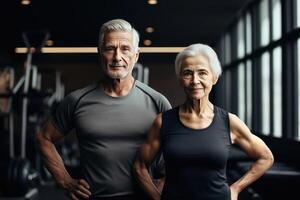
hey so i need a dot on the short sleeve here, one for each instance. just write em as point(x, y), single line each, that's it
point(62, 117)
point(164, 104)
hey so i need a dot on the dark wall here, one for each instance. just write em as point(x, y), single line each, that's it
point(81, 70)
point(162, 76)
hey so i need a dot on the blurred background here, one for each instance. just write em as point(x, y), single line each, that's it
point(48, 49)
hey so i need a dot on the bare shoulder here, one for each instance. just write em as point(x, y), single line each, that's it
point(235, 122)
point(238, 129)
point(158, 120)
point(153, 138)
point(156, 126)
point(249, 142)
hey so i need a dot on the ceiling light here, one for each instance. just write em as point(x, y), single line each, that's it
point(49, 43)
point(152, 2)
point(147, 42)
point(25, 2)
point(149, 29)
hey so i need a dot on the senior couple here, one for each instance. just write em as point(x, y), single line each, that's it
point(134, 146)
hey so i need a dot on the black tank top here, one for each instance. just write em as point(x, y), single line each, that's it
point(195, 159)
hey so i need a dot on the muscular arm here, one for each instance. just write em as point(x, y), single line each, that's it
point(51, 158)
point(46, 139)
point(145, 157)
point(255, 148)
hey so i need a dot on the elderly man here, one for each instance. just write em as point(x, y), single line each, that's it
point(111, 119)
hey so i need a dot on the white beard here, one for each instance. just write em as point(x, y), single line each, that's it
point(118, 74)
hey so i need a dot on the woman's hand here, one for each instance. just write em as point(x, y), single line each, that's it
point(234, 193)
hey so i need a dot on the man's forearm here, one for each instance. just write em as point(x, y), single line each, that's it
point(53, 161)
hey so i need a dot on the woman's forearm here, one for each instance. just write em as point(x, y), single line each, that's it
point(145, 181)
point(256, 170)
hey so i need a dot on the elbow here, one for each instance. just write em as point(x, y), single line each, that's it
point(269, 159)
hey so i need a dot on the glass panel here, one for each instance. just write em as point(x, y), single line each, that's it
point(277, 91)
point(228, 90)
point(241, 91)
point(241, 41)
point(276, 19)
point(298, 50)
point(265, 23)
point(227, 49)
point(298, 13)
point(249, 93)
point(248, 33)
point(265, 93)
point(221, 52)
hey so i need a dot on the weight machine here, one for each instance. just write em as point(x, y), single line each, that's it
point(20, 177)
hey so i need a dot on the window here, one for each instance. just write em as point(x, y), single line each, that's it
point(298, 56)
point(228, 90)
point(249, 93)
point(227, 49)
point(265, 93)
point(254, 47)
point(240, 37)
point(265, 23)
point(241, 91)
point(221, 50)
point(277, 92)
point(248, 33)
point(276, 19)
point(298, 13)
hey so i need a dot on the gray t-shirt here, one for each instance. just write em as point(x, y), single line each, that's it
point(110, 130)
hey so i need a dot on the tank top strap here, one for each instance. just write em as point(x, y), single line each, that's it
point(170, 120)
point(221, 114)
point(222, 120)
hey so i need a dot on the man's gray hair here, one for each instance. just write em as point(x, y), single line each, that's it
point(118, 25)
point(199, 49)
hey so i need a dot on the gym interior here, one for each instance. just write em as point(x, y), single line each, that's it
point(49, 49)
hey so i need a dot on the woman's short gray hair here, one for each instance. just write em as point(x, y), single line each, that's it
point(199, 49)
point(118, 25)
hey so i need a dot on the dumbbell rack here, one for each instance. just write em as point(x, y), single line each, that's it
point(20, 174)
point(19, 170)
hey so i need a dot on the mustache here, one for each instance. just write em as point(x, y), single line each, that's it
point(115, 65)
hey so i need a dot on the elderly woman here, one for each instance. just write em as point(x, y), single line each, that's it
point(196, 137)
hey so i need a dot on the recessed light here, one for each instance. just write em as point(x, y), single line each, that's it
point(49, 43)
point(25, 2)
point(149, 29)
point(147, 42)
point(152, 2)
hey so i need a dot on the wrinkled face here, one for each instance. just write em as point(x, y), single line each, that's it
point(196, 77)
point(118, 54)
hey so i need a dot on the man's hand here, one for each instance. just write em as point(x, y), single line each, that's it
point(78, 189)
